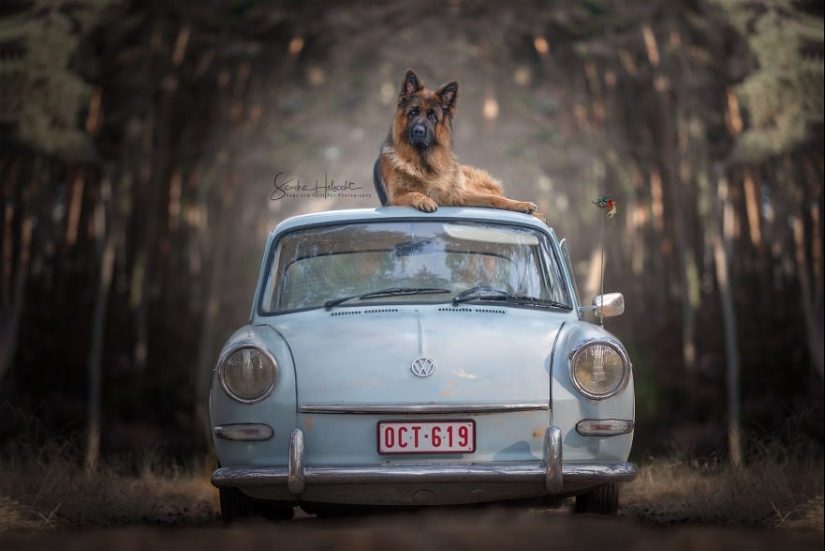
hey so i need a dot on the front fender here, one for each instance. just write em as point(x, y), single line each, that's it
point(570, 406)
point(278, 410)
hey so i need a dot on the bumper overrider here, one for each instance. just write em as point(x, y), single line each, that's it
point(548, 477)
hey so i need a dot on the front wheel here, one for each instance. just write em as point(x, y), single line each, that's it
point(602, 500)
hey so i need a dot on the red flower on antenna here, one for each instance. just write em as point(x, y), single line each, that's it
point(607, 202)
point(612, 209)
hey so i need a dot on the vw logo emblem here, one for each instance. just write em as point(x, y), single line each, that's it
point(423, 366)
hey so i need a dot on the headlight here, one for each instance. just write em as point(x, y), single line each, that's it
point(599, 368)
point(247, 373)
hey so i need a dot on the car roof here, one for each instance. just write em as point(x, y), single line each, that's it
point(388, 214)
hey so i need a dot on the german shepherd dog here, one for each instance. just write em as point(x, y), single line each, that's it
point(417, 166)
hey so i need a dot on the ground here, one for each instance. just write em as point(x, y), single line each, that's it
point(492, 528)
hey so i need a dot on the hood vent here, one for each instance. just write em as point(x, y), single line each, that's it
point(359, 312)
point(477, 310)
point(392, 310)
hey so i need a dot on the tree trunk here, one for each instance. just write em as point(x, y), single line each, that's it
point(807, 242)
point(206, 346)
point(721, 238)
point(10, 321)
point(811, 307)
point(678, 204)
point(106, 250)
point(162, 128)
point(17, 234)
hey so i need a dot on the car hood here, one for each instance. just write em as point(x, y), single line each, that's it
point(354, 357)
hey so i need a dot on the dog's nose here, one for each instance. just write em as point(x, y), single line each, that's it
point(419, 131)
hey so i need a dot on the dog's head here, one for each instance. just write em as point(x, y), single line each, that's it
point(424, 118)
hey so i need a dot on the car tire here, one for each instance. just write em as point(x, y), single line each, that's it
point(603, 500)
point(235, 505)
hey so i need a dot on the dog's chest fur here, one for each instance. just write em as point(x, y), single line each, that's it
point(441, 184)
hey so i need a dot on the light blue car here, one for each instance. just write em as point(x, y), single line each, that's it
point(399, 358)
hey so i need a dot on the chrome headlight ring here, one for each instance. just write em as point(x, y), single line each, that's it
point(606, 362)
point(253, 368)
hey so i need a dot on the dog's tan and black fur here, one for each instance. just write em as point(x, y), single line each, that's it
point(417, 166)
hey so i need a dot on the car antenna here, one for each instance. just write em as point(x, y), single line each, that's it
point(607, 203)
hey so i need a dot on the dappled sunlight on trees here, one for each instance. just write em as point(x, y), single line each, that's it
point(140, 141)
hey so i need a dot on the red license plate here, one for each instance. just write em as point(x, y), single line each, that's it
point(426, 437)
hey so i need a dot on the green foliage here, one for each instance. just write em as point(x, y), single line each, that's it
point(43, 94)
point(784, 96)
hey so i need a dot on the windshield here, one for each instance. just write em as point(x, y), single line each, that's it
point(411, 262)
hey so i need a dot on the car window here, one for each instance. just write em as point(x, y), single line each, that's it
point(314, 265)
point(565, 253)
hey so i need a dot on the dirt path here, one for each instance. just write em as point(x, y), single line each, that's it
point(521, 529)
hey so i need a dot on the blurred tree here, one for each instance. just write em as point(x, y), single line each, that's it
point(41, 94)
point(41, 99)
point(137, 153)
point(785, 103)
point(784, 95)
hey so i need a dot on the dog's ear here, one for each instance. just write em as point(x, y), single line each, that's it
point(448, 94)
point(409, 87)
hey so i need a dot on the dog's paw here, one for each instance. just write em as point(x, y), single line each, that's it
point(540, 216)
point(528, 208)
point(426, 204)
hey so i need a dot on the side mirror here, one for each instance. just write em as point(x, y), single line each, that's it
point(609, 305)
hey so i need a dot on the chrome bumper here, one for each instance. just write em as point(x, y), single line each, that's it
point(551, 473)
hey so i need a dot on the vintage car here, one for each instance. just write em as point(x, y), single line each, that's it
point(399, 358)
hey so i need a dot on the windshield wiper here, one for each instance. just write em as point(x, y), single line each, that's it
point(493, 293)
point(391, 292)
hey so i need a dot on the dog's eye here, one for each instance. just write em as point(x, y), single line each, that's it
point(413, 112)
point(431, 114)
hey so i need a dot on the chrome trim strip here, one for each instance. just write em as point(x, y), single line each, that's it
point(605, 427)
point(296, 477)
point(422, 408)
point(553, 467)
point(551, 472)
point(572, 474)
point(243, 432)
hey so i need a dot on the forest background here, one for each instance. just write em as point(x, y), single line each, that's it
point(140, 140)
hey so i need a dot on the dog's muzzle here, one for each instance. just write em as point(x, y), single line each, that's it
point(419, 136)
